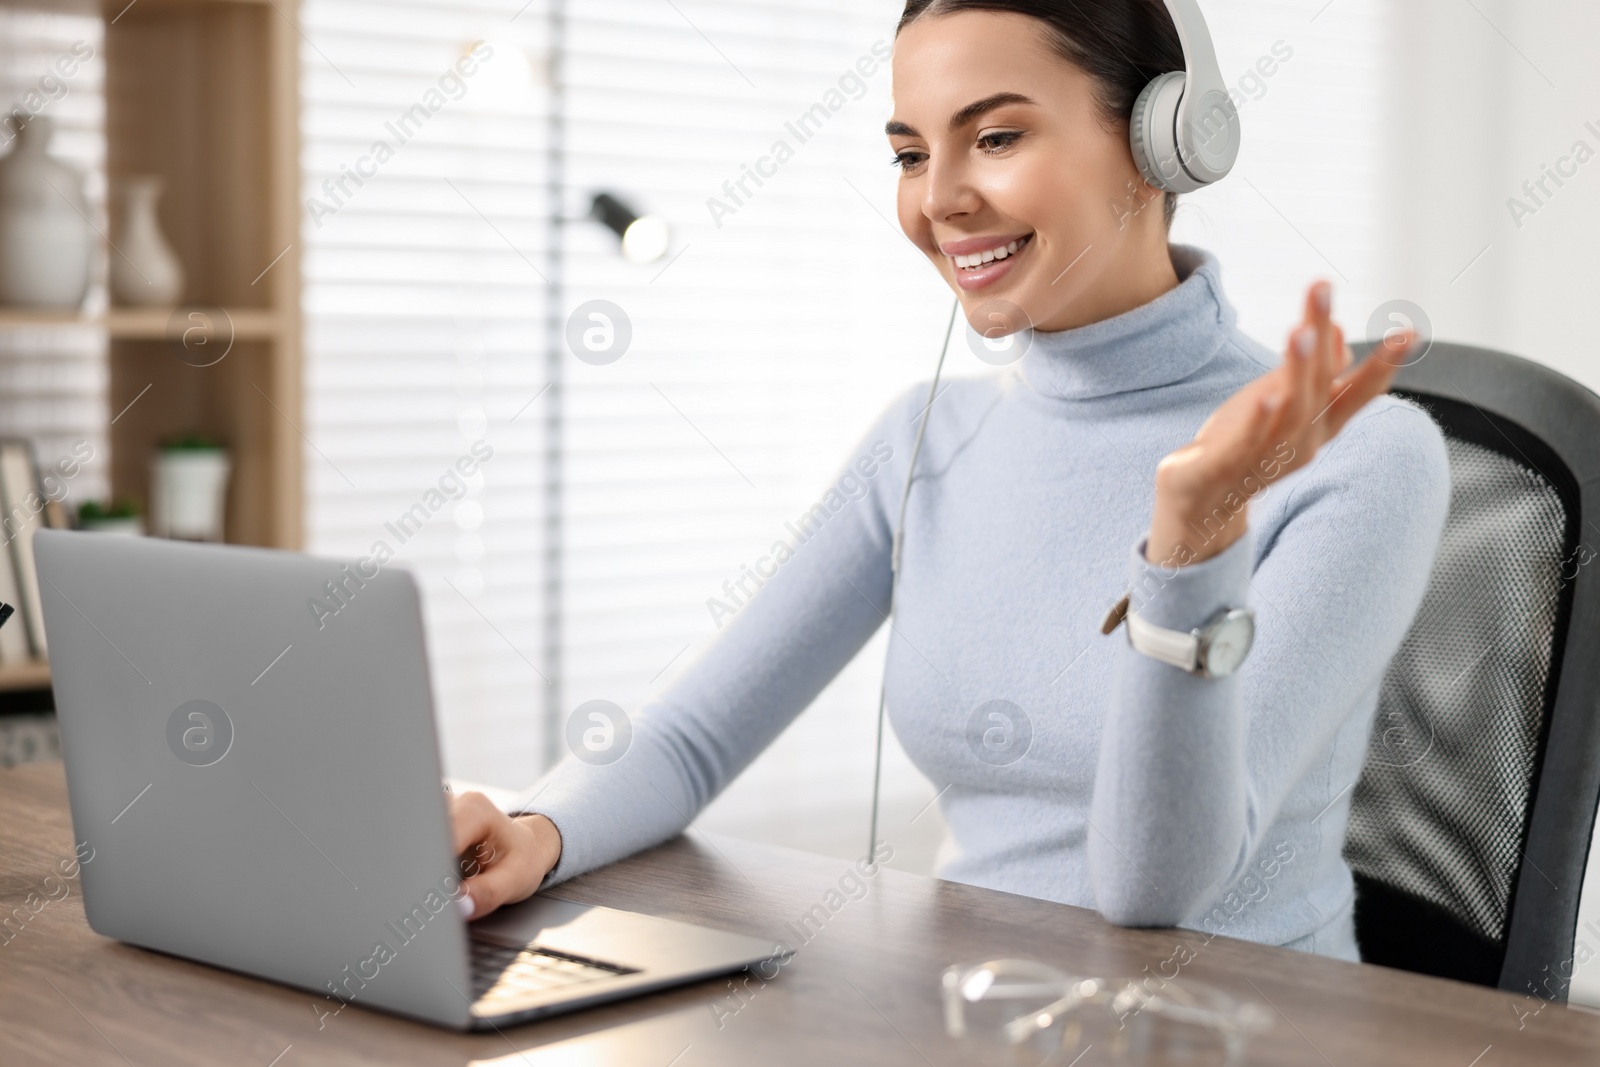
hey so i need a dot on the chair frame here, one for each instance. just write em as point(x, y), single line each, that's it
point(1547, 904)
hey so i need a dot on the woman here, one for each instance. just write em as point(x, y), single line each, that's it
point(1141, 443)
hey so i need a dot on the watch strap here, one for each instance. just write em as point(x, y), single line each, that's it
point(1179, 648)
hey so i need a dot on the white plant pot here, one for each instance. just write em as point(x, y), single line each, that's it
point(46, 241)
point(145, 271)
point(189, 494)
point(131, 526)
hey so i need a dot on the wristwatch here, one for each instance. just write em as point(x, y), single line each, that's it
point(1214, 650)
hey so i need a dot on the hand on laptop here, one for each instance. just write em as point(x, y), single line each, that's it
point(503, 859)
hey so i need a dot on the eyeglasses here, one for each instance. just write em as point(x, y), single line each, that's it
point(1021, 1013)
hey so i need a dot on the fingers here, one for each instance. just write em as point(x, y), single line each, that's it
point(1319, 316)
point(1234, 439)
point(509, 875)
point(1300, 377)
point(1395, 348)
point(1239, 406)
point(1236, 443)
point(1346, 357)
point(1353, 391)
point(1332, 359)
point(472, 819)
point(502, 859)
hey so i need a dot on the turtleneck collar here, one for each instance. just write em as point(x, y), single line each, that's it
point(1159, 343)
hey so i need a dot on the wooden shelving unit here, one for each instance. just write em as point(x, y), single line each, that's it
point(15, 677)
point(205, 94)
point(147, 324)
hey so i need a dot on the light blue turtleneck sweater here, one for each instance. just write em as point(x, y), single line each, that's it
point(1108, 780)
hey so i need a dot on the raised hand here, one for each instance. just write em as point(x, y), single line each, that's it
point(1270, 428)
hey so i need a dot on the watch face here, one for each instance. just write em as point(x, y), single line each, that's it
point(1230, 643)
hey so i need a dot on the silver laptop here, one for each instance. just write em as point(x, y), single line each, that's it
point(257, 785)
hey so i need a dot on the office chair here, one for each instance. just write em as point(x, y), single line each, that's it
point(1471, 824)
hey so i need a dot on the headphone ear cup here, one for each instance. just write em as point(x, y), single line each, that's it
point(1152, 134)
point(1139, 133)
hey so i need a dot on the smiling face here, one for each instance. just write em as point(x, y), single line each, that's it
point(1012, 182)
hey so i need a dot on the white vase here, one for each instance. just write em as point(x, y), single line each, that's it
point(46, 239)
point(189, 493)
point(145, 271)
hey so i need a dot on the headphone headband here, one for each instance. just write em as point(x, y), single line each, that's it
point(1184, 130)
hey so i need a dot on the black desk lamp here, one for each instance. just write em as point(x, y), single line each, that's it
point(645, 238)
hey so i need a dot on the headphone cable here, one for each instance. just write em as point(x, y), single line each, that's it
point(894, 571)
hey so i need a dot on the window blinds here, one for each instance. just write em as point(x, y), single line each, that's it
point(760, 350)
point(424, 324)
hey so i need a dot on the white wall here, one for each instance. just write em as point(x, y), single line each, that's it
point(1483, 107)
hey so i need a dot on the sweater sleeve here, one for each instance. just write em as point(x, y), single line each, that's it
point(822, 598)
point(1193, 772)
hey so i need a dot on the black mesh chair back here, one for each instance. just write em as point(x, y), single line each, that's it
point(1472, 820)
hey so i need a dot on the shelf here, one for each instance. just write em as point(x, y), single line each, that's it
point(15, 677)
point(114, 9)
point(155, 324)
point(145, 324)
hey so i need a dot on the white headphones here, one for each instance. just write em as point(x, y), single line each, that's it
point(1185, 128)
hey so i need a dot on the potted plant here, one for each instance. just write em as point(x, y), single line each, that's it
point(189, 488)
point(118, 517)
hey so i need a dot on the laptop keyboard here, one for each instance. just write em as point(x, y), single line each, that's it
point(503, 974)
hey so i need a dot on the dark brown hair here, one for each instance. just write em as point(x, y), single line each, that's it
point(1122, 44)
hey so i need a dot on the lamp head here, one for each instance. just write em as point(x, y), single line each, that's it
point(645, 238)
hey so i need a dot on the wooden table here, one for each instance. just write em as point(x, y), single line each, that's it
point(864, 989)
